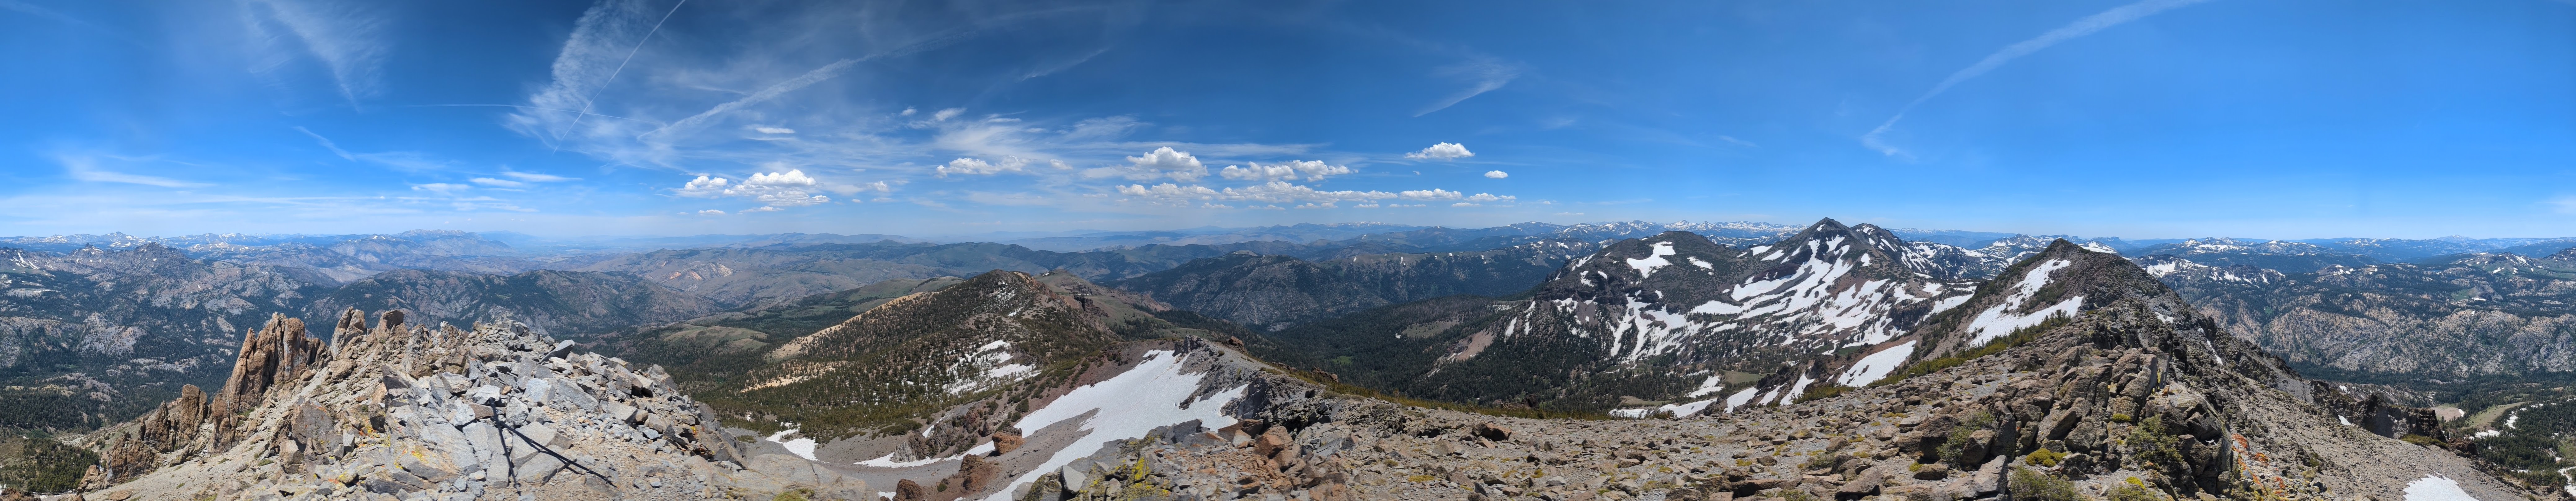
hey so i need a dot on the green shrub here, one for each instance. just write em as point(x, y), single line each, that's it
point(2132, 492)
point(1826, 390)
point(1822, 461)
point(2151, 443)
point(2044, 457)
point(2421, 440)
point(2031, 485)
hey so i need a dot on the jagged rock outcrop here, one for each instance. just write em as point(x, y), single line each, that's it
point(407, 411)
point(278, 352)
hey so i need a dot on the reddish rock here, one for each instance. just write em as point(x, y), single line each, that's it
point(1004, 443)
point(271, 356)
point(908, 490)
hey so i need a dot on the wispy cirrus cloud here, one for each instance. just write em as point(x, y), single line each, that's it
point(407, 161)
point(86, 168)
point(1875, 139)
point(1483, 74)
point(340, 35)
point(806, 98)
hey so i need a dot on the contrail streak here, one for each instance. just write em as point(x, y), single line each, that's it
point(612, 74)
point(2081, 27)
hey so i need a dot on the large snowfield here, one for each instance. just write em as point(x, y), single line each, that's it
point(1124, 407)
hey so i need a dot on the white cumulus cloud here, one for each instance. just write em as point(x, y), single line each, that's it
point(1312, 170)
point(1442, 151)
point(711, 212)
point(1495, 174)
point(1163, 162)
point(1283, 192)
point(771, 188)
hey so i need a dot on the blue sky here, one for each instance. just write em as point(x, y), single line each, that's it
point(2163, 118)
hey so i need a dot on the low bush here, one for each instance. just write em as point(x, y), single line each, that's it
point(2031, 485)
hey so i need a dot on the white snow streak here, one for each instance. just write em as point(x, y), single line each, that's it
point(1876, 365)
point(802, 446)
point(1740, 398)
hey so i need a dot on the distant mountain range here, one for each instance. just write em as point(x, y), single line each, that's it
point(1953, 366)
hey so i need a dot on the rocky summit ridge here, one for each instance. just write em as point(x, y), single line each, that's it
point(406, 411)
point(2129, 398)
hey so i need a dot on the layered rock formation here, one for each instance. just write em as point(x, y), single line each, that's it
point(398, 411)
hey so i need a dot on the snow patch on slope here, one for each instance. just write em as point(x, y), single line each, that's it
point(1876, 365)
point(1646, 267)
point(802, 446)
point(2436, 488)
point(1714, 383)
point(1740, 398)
point(1124, 407)
point(1998, 321)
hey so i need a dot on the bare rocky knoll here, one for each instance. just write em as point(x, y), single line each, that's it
point(403, 411)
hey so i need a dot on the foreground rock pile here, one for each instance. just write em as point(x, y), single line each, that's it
point(411, 412)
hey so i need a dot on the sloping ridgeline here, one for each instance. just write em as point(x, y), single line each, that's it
point(566, 304)
point(1273, 291)
point(883, 371)
point(722, 345)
